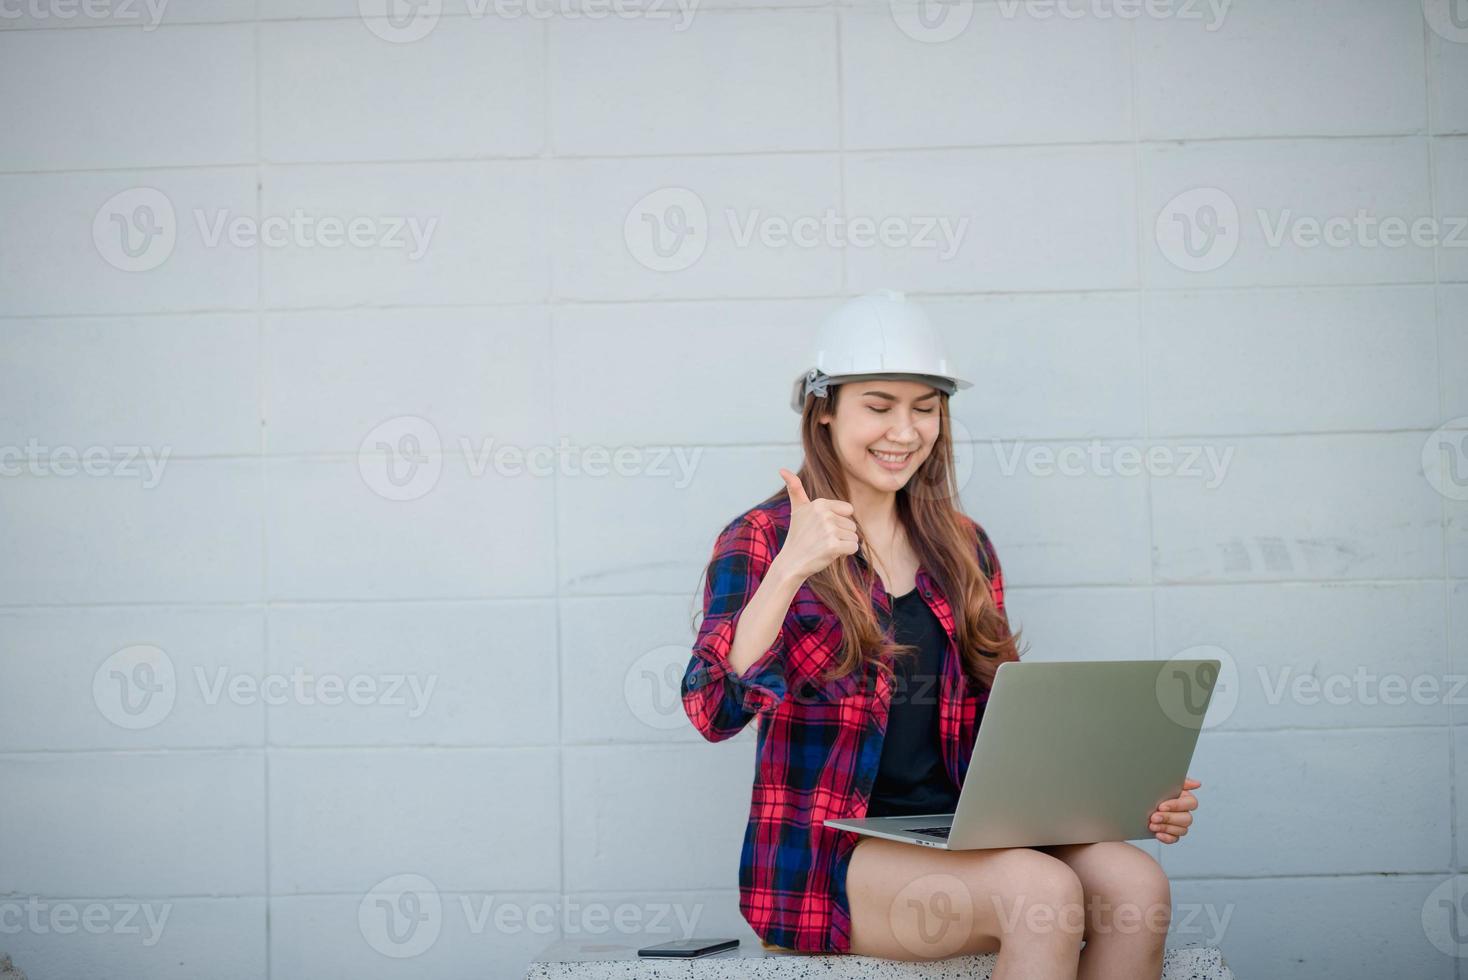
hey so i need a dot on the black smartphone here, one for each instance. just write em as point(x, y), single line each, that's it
point(689, 947)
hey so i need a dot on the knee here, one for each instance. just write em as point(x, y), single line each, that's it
point(1041, 895)
point(1153, 894)
point(1144, 881)
point(1154, 888)
point(1055, 886)
point(1130, 893)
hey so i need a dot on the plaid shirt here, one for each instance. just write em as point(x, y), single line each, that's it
point(819, 743)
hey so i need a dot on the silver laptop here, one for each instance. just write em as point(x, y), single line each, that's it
point(1069, 753)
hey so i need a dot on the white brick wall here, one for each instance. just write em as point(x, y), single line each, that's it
point(546, 782)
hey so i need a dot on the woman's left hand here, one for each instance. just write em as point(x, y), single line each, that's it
point(1171, 819)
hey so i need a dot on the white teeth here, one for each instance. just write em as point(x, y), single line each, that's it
point(889, 457)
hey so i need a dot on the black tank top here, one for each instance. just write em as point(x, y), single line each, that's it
point(910, 777)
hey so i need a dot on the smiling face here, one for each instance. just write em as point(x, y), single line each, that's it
point(883, 429)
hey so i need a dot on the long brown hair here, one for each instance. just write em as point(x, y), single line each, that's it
point(943, 537)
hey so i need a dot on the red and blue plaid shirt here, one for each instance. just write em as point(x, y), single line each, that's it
point(819, 742)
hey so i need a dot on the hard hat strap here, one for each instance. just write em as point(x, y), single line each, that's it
point(816, 382)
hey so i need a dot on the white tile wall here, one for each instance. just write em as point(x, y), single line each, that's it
point(124, 386)
point(415, 583)
point(154, 939)
point(128, 108)
point(705, 227)
point(62, 242)
point(720, 84)
point(463, 934)
point(1276, 187)
point(1281, 789)
point(982, 87)
point(634, 403)
point(1312, 360)
point(1448, 65)
point(1323, 926)
point(447, 814)
point(440, 234)
point(333, 376)
point(372, 101)
point(51, 653)
point(1019, 219)
point(152, 823)
point(1047, 364)
point(1248, 77)
point(1304, 507)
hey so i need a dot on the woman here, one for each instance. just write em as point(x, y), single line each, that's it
point(859, 615)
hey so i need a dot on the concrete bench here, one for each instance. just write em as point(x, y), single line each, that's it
point(617, 959)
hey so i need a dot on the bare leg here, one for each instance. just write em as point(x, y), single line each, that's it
point(1128, 907)
point(919, 903)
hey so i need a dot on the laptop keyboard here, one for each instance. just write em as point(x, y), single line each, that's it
point(930, 831)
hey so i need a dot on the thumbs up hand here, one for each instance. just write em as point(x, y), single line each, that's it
point(821, 530)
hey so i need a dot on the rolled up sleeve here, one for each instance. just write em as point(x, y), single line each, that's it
point(717, 700)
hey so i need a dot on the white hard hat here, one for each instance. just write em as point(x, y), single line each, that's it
point(878, 335)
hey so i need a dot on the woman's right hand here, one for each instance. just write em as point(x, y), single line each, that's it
point(821, 531)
